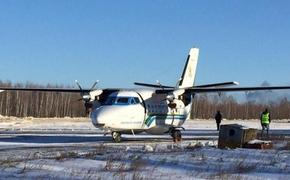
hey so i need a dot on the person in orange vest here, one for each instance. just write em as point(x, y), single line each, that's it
point(265, 121)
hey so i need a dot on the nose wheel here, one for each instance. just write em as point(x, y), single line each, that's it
point(176, 135)
point(116, 137)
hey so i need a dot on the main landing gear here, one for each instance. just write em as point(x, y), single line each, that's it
point(175, 134)
point(116, 136)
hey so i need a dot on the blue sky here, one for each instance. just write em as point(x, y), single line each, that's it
point(119, 42)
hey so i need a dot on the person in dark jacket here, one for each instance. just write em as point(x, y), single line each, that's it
point(218, 118)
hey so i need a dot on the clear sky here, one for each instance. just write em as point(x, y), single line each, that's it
point(119, 42)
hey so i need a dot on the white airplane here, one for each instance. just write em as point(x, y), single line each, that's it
point(156, 109)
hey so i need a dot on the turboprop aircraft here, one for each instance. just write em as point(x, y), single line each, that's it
point(156, 109)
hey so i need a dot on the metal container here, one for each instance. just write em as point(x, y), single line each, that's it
point(235, 136)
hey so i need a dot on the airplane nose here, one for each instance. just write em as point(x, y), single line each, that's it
point(98, 117)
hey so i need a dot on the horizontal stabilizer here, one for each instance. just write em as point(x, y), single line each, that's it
point(152, 85)
point(225, 89)
point(217, 84)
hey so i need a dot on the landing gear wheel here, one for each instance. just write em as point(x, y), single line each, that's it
point(176, 135)
point(116, 137)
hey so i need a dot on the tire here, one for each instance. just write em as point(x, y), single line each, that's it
point(176, 134)
point(116, 137)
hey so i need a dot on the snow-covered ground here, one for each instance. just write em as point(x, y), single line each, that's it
point(30, 123)
point(93, 156)
point(187, 160)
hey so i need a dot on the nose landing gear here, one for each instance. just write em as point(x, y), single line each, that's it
point(116, 136)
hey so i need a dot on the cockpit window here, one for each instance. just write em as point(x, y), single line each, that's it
point(132, 101)
point(136, 100)
point(122, 101)
point(110, 101)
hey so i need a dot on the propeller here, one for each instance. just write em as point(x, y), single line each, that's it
point(88, 96)
point(173, 95)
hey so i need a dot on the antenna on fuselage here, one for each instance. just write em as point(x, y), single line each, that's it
point(177, 83)
point(160, 85)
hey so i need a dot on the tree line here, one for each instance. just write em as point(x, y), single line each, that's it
point(205, 107)
point(52, 104)
point(39, 104)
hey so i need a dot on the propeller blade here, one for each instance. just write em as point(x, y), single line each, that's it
point(93, 86)
point(78, 84)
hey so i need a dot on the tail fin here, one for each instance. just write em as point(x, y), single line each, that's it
point(188, 76)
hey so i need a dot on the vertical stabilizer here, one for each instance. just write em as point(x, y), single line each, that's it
point(188, 76)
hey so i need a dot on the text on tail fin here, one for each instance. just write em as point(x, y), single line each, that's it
point(188, 76)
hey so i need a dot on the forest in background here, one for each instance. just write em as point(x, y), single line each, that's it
point(51, 104)
point(39, 104)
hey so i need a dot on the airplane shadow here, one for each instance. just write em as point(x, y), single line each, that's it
point(46, 139)
point(200, 132)
point(49, 139)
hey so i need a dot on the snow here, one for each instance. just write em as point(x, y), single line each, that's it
point(164, 162)
point(90, 155)
point(257, 141)
point(30, 123)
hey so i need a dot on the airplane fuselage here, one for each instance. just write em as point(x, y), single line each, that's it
point(138, 111)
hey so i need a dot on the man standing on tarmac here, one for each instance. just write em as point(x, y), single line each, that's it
point(265, 122)
point(218, 118)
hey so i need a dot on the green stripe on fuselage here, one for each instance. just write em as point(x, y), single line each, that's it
point(164, 117)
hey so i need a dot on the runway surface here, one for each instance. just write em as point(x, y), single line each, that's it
point(68, 137)
point(14, 138)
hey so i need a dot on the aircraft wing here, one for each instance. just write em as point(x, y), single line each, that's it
point(226, 89)
point(86, 93)
point(71, 90)
point(198, 86)
point(45, 89)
